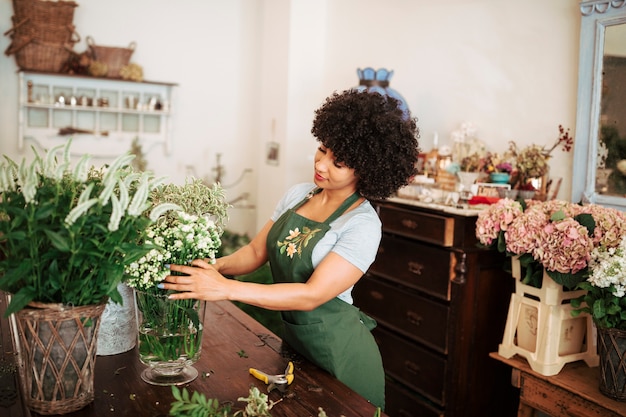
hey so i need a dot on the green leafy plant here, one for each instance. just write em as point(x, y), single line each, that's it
point(67, 233)
point(196, 404)
point(606, 287)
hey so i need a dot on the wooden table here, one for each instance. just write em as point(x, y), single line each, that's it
point(233, 342)
point(573, 392)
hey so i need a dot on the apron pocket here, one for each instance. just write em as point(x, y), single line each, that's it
point(311, 341)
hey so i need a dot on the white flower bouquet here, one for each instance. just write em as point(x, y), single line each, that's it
point(606, 287)
point(170, 331)
point(179, 240)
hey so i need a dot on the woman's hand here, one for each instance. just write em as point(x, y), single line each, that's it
point(202, 281)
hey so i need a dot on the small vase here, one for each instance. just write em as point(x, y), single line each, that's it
point(170, 337)
point(612, 351)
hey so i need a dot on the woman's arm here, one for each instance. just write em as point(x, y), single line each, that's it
point(248, 258)
point(332, 276)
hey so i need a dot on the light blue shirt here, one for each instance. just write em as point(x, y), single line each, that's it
point(354, 236)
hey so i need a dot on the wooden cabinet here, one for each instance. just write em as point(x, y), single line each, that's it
point(105, 114)
point(441, 304)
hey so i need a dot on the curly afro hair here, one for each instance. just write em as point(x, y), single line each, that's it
point(370, 133)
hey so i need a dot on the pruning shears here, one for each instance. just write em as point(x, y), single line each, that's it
point(279, 381)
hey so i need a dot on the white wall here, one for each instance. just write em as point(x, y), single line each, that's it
point(253, 71)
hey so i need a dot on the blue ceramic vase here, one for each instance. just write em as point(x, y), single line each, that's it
point(378, 81)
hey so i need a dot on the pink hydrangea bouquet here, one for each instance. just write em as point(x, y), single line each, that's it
point(555, 236)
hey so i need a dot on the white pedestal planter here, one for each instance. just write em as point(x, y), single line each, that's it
point(540, 327)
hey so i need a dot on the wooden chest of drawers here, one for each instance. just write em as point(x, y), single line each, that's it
point(441, 305)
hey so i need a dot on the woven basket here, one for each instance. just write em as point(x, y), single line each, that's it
point(58, 353)
point(612, 350)
point(46, 21)
point(42, 12)
point(114, 57)
point(35, 55)
point(59, 34)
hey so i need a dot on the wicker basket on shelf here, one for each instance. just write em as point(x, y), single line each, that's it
point(48, 21)
point(44, 11)
point(42, 35)
point(59, 34)
point(114, 57)
point(35, 55)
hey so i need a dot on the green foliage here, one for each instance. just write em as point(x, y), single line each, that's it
point(197, 405)
point(66, 235)
point(606, 310)
point(195, 198)
point(532, 270)
point(586, 220)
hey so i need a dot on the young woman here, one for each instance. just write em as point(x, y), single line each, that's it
point(322, 238)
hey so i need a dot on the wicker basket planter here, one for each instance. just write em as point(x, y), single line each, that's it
point(57, 353)
point(612, 349)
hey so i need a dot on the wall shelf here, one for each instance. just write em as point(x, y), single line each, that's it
point(101, 115)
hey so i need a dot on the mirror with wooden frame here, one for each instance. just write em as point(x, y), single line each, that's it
point(599, 174)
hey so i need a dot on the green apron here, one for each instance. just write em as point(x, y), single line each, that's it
point(336, 335)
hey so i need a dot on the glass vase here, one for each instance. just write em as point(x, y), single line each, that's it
point(170, 337)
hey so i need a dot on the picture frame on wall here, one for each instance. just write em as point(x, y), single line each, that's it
point(272, 153)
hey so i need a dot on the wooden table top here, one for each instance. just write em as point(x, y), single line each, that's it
point(233, 342)
point(575, 377)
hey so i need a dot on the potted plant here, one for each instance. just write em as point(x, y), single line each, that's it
point(170, 331)
point(604, 300)
point(531, 162)
point(66, 235)
point(550, 244)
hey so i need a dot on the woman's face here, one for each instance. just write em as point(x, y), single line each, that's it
point(330, 174)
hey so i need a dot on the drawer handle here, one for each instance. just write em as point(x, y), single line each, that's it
point(412, 367)
point(377, 295)
point(409, 224)
point(414, 318)
point(416, 268)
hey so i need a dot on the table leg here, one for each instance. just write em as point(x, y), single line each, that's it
point(524, 410)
